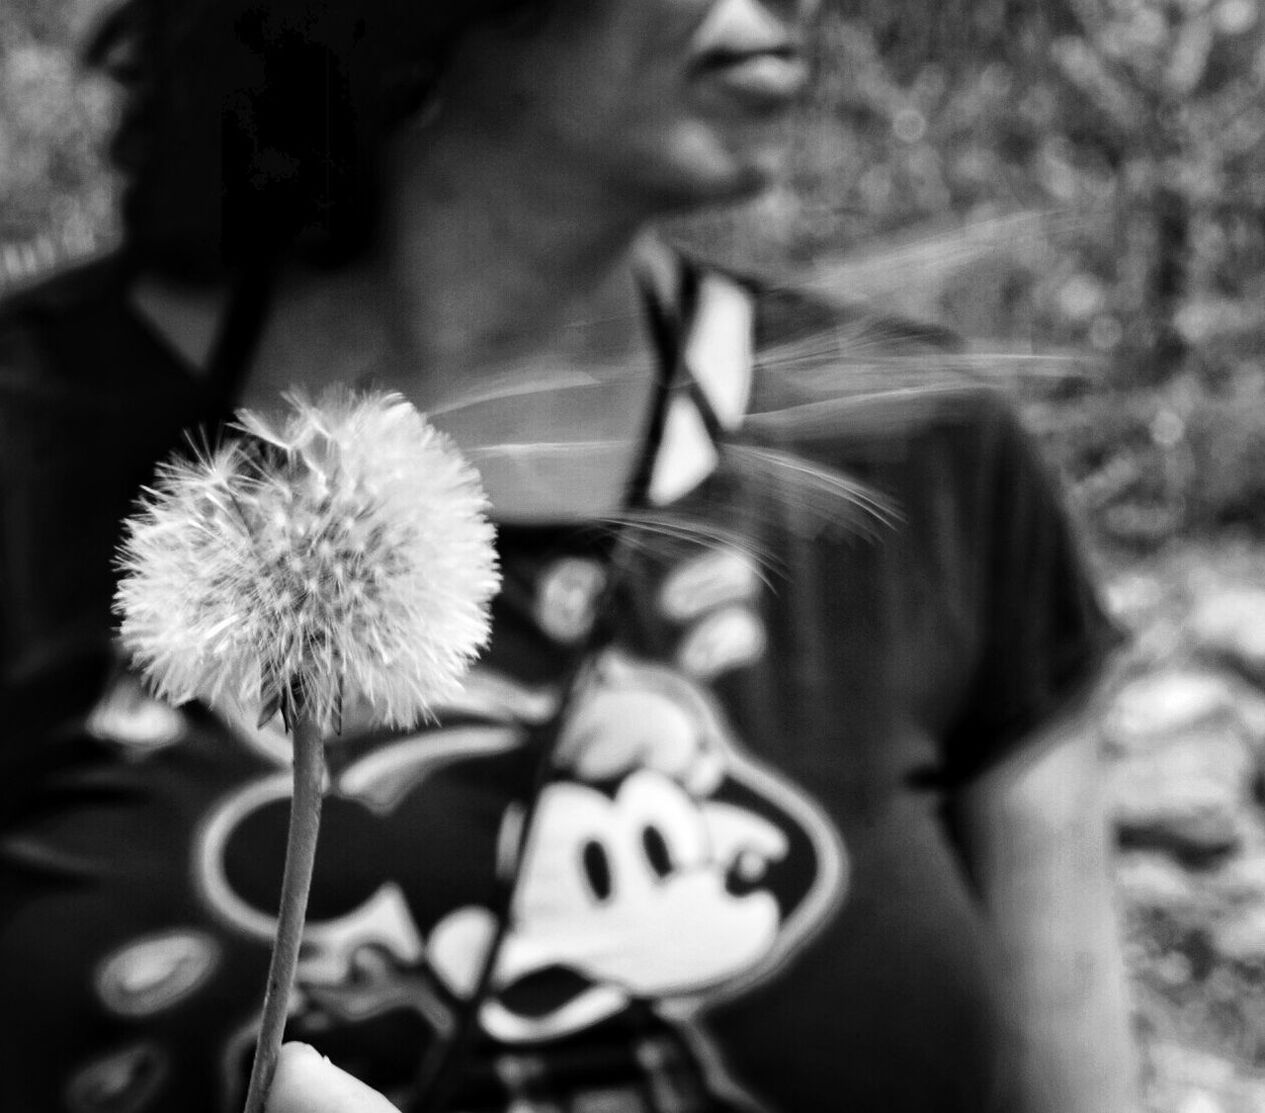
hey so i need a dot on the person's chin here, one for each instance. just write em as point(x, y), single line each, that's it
point(728, 176)
point(681, 197)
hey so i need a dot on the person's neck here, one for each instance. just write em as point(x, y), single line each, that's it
point(485, 267)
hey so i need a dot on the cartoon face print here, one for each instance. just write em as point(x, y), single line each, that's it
point(657, 869)
point(622, 897)
point(637, 886)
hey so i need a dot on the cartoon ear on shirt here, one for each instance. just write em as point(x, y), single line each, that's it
point(635, 716)
point(364, 891)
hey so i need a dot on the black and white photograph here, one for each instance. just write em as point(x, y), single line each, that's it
point(632, 556)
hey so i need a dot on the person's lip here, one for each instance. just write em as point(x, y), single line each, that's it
point(767, 77)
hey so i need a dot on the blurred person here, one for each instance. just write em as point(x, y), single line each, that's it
point(815, 828)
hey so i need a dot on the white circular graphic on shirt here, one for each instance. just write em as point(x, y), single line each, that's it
point(726, 639)
point(566, 598)
point(712, 580)
point(128, 717)
point(154, 973)
point(122, 1081)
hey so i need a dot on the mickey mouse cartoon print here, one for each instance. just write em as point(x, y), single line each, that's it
point(664, 867)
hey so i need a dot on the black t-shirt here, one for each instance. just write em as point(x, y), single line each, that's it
point(857, 591)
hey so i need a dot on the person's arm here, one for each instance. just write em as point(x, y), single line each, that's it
point(1037, 840)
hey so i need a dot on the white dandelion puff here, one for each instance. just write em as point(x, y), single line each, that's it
point(341, 551)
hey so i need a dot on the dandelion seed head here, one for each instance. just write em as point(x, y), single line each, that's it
point(342, 551)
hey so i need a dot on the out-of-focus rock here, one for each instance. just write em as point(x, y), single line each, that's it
point(1193, 1077)
point(1249, 705)
point(1187, 795)
point(1133, 598)
point(1199, 1101)
point(1157, 706)
point(1183, 727)
point(1228, 624)
point(1240, 880)
point(1240, 937)
point(1146, 879)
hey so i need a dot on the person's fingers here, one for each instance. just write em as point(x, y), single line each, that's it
point(307, 1082)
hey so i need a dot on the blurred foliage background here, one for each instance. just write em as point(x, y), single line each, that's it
point(1081, 183)
point(1076, 185)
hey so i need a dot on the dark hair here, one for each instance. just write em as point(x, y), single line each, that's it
point(253, 128)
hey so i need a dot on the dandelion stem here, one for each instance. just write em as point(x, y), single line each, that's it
point(305, 819)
